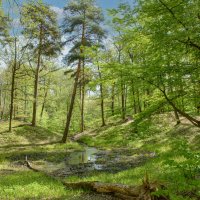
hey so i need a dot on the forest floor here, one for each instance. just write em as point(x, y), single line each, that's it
point(155, 144)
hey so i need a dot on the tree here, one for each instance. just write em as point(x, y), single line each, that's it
point(4, 26)
point(40, 24)
point(166, 56)
point(81, 22)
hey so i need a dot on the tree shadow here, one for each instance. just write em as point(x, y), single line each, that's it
point(37, 134)
point(29, 145)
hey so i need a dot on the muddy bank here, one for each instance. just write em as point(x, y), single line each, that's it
point(86, 161)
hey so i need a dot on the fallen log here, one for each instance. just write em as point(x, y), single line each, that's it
point(104, 187)
point(119, 190)
point(124, 192)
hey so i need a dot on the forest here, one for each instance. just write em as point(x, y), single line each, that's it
point(100, 100)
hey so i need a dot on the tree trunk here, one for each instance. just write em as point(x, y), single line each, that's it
point(113, 100)
point(14, 68)
point(25, 101)
point(134, 101)
point(125, 97)
point(4, 104)
point(138, 102)
point(190, 118)
point(177, 117)
point(82, 96)
point(15, 106)
point(102, 98)
point(35, 96)
point(43, 104)
point(69, 114)
point(123, 100)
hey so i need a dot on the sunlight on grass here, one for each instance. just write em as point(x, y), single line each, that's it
point(26, 185)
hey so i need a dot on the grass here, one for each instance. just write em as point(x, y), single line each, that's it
point(177, 154)
point(176, 163)
point(31, 185)
point(40, 145)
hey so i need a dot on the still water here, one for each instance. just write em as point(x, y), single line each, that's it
point(82, 157)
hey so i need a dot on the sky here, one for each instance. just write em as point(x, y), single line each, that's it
point(57, 6)
point(103, 3)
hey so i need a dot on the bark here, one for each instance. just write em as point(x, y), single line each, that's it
point(113, 100)
point(123, 100)
point(134, 101)
point(177, 117)
point(122, 85)
point(25, 102)
point(125, 97)
point(82, 96)
point(35, 95)
point(3, 106)
point(142, 192)
point(43, 104)
point(176, 109)
point(69, 114)
point(102, 98)
point(15, 112)
point(138, 102)
point(14, 68)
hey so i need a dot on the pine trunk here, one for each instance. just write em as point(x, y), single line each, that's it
point(35, 96)
point(69, 114)
point(13, 86)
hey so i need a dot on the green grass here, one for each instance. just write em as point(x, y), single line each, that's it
point(31, 185)
point(41, 146)
point(176, 163)
point(177, 154)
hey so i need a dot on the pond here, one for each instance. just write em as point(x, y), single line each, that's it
point(92, 159)
point(88, 160)
point(82, 157)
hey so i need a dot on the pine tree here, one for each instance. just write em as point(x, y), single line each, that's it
point(82, 25)
point(40, 25)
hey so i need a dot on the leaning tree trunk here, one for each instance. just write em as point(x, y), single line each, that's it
point(187, 116)
point(69, 114)
point(14, 69)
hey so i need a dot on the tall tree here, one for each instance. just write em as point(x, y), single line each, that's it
point(170, 67)
point(82, 24)
point(40, 24)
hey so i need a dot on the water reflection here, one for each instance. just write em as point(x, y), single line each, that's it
point(82, 157)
